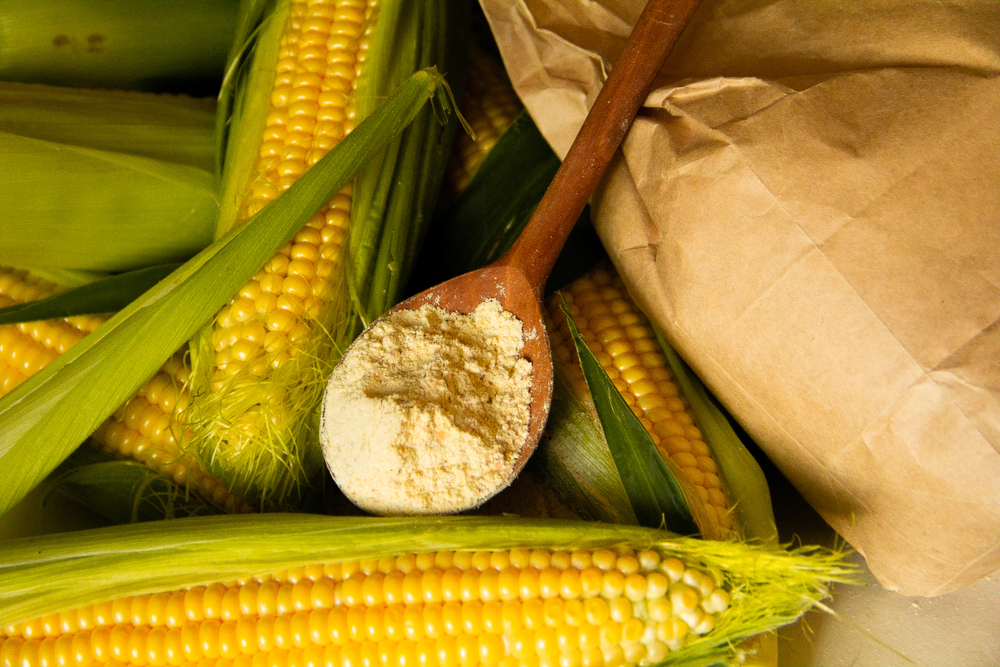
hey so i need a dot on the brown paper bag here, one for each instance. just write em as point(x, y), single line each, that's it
point(809, 207)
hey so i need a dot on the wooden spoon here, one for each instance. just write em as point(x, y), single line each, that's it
point(517, 279)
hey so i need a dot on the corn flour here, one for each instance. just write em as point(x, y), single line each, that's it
point(428, 409)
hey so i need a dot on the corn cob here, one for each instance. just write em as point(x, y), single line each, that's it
point(622, 340)
point(144, 428)
point(257, 370)
point(621, 596)
point(311, 109)
point(489, 608)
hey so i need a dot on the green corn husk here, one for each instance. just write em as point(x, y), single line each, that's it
point(79, 208)
point(744, 478)
point(95, 297)
point(392, 198)
point(68, 278)
point(45, 575)
point(242, 111)
point(575, 460)
point(101, 181)
point(44, 419)
point(122, 491)
point(395, 195)
point(125, 44)
point(172, 128)
point(42, 513)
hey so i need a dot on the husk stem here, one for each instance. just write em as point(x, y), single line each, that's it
point(769, 588)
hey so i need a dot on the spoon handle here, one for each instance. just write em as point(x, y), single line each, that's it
point(654, 35)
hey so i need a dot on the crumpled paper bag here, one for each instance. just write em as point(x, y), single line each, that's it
point(808, 206)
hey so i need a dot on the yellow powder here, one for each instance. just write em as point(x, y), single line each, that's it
point(428, 410)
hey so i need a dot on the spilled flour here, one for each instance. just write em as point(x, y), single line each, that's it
point(427, 411)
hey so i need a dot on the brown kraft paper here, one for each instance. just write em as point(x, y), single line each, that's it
point(808, 206)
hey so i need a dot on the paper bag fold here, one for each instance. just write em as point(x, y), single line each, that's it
point(811, 213)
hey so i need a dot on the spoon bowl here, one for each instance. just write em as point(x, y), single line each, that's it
point(517, 295)
point(517, 279)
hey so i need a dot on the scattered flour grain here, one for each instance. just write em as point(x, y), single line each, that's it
point(428, 410)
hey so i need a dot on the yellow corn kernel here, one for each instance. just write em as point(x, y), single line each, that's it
point(622, 340)
point(28, 347)
point(282, 619)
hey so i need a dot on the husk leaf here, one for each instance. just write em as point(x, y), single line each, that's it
point(574, 459)
point(653, 488)
point(122, 491)
point(79, 208)
point(104, 295)
point(173, 128)
point(394, 196)
point(244, 98)
point(120, 44)
point(744, 481)
point(68, 278)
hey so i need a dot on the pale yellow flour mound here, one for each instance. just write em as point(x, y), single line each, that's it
point(428, 410)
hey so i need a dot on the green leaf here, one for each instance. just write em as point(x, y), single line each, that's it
point(508, 185)
point(45, 418)
point(123, 491)
point(119, 44)
point(655, 493)
point(490, 213)
point(73, 207)
point(107, 295)
point(741, 474)
point(173, 128)
point(67, 278)
point(393, 197)
point(575, 460)
point(244, 99)
point(487, 217)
